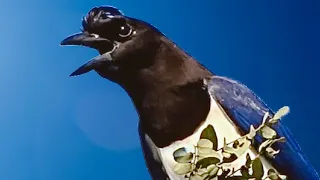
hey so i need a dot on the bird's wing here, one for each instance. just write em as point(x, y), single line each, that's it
point(245, 109)
point(152, 157)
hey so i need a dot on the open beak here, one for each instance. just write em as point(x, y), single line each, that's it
point(91, 41)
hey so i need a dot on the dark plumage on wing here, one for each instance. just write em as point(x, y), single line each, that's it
point(172, 92)
point(246, 109)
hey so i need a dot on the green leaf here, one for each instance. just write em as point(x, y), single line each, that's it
point(182, 168)
point(272, 174)
point(269, 143)
point(252, 133)
point(205, 162)
point(202, 171)
point(265, 117)
point(237, 178)
point(248, 161)
point(282, 177)
point(257, 168)
point(202, 151)
point(281, 139)
point(264, 145)
point(181, 156)
point(208, 152)
point(205, 176)
point(268, 133)
point(213, 170)
point(244, 172)
point(210, 134)
point(271, 152)
point(205, 143)
point(196, 177)
point(273, 121)
point(281, 112)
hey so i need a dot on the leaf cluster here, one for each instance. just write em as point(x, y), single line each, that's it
point(207, 162)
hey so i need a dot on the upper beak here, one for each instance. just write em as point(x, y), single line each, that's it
point(84, 39)
point(93, 41)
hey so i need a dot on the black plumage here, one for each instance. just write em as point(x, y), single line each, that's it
point(168, 87)
point(162, 80)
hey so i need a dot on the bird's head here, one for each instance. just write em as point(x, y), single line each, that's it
point(120, 40)
point(132, 51)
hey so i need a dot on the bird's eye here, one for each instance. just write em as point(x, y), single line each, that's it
point(125, 31)
point(106, 15)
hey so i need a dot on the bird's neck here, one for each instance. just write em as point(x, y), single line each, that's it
point(170, 96)
point(172, 114)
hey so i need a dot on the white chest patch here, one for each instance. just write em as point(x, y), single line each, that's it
point(224, 128)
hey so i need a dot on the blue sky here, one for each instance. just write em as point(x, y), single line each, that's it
point(56, 127)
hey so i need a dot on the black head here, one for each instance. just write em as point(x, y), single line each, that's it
point(132, 51)
point(119, 39)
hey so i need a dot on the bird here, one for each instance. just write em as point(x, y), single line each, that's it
point(176, 96)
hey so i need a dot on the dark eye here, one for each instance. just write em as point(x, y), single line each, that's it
point(106, 15)
point(125, 31)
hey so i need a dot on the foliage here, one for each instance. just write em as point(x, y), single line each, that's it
point(207, 162)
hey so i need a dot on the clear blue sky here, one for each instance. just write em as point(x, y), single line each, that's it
point(53, 127)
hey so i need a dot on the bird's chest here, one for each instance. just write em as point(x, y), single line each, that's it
point(224, 128)
point(171, 115)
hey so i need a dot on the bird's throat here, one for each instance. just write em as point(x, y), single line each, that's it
point(173, 114)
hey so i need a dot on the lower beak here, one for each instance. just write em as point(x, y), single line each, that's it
point(90, 65)
point(92, 41)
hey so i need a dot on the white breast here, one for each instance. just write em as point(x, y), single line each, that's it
point(224, 128)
